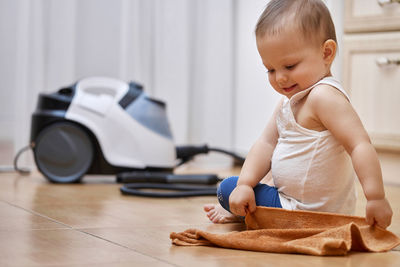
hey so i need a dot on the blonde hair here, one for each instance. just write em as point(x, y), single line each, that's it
point(312, 17)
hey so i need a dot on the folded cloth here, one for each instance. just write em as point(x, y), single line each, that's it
point(283, 231)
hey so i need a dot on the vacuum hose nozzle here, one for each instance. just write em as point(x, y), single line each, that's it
point(187, 152)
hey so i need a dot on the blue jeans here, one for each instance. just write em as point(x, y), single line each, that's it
point(265, 195)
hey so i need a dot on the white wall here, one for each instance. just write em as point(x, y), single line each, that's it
point(8, 36)
point(255, 99)
point(197, 55)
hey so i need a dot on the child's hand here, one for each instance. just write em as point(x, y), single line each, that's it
point(242, 200)
point(379, 211)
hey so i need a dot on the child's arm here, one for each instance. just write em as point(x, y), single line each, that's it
point(255, 167)
point(333, 110)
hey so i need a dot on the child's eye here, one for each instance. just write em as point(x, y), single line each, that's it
point(290, 67)
point(270, 71)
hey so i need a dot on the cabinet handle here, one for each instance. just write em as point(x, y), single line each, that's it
point(385, 2)
point(384, 61)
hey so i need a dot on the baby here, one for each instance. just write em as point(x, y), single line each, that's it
point(315, 140)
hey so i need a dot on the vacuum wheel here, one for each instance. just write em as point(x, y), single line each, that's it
point(63, 152)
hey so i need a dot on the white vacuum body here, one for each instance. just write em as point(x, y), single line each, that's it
point(102, 126)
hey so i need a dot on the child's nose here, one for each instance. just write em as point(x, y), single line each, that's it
point(281, 78)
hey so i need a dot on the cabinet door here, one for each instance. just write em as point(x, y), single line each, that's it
point(371, 15)
point(372, 77)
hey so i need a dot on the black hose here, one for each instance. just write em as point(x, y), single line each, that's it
point(239, 160)
point(178, 190)
point(186, 153)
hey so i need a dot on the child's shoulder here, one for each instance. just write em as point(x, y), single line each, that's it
point(323, 94)
point(325, 98)
point(327, 104)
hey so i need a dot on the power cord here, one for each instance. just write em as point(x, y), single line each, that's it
point(15, 167)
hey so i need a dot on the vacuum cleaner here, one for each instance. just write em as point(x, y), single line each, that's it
point(101, 125)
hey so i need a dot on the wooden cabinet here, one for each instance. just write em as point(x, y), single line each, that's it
point(372, 68)
point(372, 15)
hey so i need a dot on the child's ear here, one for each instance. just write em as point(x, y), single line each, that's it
point(329, 50)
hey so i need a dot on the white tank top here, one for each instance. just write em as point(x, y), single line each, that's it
point(311, 169)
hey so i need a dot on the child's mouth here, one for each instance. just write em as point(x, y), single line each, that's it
point(289, 89)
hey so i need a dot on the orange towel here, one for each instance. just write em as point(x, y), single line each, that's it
point(305, 232)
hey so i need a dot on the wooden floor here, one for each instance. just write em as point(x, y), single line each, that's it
point(92, 224)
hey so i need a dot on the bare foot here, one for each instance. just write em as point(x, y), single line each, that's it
point(217, 214)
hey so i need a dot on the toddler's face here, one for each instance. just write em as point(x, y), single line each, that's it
point(293, 63)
